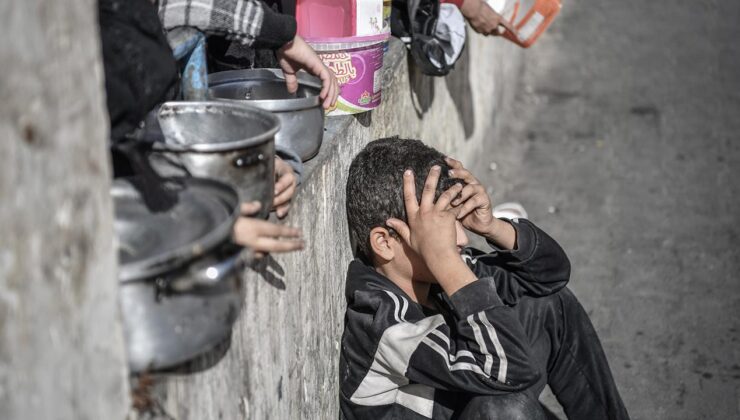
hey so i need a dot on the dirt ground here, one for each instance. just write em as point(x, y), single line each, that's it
point(623, 142)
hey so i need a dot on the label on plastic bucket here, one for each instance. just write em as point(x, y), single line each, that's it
point(358, 74)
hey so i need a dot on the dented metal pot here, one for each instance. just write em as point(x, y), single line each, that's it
point(229, 142)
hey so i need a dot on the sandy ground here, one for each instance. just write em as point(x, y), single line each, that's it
point(623, 142)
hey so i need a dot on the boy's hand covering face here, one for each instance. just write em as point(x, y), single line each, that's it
point(430, 231)
point(475, 211)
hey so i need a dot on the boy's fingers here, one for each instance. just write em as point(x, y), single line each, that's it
point(469, 206)
point(453, 163)
point(430, 188)
point(464, 174)
point(409, 193)
point(291, 81)
point(467, 192)
point(282, 211)
point(265, 228)
point(250, 208)
point(283, 197)
point(326, 83)
point(401, 228)
point(283, 182)
point(446, 197)
point(265, 244)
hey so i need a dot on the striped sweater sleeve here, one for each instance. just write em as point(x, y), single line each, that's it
point(538, 266)
point(483, 352)
point(250, 22)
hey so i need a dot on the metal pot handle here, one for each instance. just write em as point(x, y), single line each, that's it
point(248, 159)
point(209, 275)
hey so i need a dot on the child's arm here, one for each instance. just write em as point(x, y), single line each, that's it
point(537, 266)
point(485, 352)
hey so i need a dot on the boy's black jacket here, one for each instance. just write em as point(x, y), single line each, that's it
point(400, 360)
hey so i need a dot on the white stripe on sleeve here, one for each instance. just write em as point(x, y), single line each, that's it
point(405, 307)
point(460, 353)
point(397, 310)
point(447, 357)
point(503, 363)
point(482, 344)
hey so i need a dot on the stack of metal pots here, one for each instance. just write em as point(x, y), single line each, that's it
point(180, 275)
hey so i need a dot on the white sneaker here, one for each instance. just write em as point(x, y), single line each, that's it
point(511, 211)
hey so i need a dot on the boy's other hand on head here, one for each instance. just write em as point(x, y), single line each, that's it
point(475, 210)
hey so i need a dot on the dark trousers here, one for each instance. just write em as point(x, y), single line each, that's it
point(568, 353)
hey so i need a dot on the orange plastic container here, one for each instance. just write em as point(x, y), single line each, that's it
point(529, 17)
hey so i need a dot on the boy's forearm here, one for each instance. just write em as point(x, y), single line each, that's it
point(502, 234)
point(451, 273)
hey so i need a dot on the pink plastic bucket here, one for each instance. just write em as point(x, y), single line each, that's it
point(357, 64)
point(340, 18)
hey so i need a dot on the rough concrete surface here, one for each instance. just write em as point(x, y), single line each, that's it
point(624, 143)
point(61, 345)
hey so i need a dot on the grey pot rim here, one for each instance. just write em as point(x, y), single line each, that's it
point(174, 107)
point(272, 105)
point(149, 268)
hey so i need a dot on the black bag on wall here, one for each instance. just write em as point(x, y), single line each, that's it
point(415, 23)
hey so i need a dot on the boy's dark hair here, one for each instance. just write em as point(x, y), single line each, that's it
point(375, 185)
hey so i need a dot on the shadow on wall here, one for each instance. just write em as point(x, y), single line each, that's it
point(364, 118)
point(271, 272)
point(458, 85)
point(421, 88)
point(203, 362)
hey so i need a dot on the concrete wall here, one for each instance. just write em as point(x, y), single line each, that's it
point(284, 353)
point(61, 348)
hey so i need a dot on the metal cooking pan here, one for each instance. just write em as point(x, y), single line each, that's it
point(229, 142)
point(180, 277)
point(301, 115)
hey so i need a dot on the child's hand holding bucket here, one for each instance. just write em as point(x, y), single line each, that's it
point(298, 55)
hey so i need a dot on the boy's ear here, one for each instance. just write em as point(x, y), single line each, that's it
point(380, 242)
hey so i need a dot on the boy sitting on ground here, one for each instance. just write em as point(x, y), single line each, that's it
point(435, 330)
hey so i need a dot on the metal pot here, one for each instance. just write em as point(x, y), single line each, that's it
point(301, 115)
point(228, 142)
point(180, 277)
